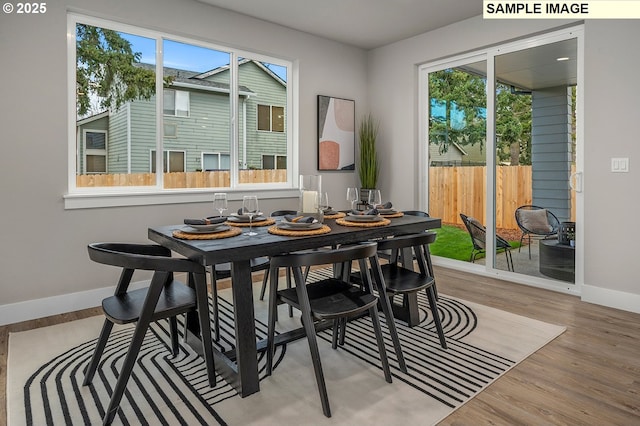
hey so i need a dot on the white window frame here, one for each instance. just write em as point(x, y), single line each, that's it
point(83, 197)
point(102, 152)
point(165, 160)
point(270, 117)
point(218, 154)
point(185, 97)
point(275, 160)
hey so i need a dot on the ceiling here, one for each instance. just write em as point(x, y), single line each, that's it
point(368, 24)
point(362, 23)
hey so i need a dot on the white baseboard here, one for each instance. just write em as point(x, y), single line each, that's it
point(47, 306)
point(611, 298)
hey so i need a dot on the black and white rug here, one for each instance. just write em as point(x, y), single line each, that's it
point(45, 372)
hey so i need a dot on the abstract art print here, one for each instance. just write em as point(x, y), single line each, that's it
point(336, 133)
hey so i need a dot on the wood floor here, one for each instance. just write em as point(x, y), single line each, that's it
point(589, 375)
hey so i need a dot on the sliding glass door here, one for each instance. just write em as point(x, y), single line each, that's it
point(501, 139)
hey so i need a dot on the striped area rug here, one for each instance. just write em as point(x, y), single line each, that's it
point(45, 372)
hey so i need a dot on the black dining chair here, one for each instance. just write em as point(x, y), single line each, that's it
point(164, 298)
point(402, 281)
point(330, 299)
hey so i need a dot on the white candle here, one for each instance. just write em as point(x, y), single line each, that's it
point(309, 201)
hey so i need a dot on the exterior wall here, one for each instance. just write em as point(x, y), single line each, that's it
point(99, 124)
point(205, 130)
point(551, 150)
point(268, 92)
point(118, 150)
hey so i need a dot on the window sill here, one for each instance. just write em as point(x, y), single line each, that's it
point(142, 198)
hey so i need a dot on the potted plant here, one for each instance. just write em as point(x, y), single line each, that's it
point(368, 166)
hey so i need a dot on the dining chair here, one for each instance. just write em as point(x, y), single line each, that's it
point(164, 298)
point(330, 299)
point(402, 281)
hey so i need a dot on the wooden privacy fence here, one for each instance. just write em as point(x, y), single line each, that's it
point(215, 179)
point(455, 190)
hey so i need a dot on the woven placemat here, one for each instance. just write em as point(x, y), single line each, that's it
point(392, 215)
point(213, 236)
point(268, 221)
point(279, 231)
point(345, 222)
point(335, 216)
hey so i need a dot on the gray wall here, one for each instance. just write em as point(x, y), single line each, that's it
point(611, 96)
point(43, 255)
point(43, 251)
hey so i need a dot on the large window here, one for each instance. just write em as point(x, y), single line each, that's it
point(207, 121)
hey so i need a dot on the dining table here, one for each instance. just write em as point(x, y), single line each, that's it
point(240, 368)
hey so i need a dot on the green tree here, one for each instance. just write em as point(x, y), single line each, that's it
point(513, 125)
point(106, 70)
point(461, 92)
point(462, 96)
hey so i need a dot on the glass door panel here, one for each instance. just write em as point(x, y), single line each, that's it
point(457, 124)
point(535, 157)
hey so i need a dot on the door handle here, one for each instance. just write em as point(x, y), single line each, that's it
point(575, 181)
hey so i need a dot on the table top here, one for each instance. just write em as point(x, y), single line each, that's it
point(243, 247)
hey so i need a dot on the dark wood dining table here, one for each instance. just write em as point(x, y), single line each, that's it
point(240, 369)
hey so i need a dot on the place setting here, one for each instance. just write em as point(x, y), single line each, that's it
point(249, 215)
point(367, 218)
point(299, 225)
point(209, 228)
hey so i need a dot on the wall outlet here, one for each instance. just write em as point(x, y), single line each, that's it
point(620, 165)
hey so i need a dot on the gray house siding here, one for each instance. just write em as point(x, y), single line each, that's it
point(205, 130)
point(268, 91)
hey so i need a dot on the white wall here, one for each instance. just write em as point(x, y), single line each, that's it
point(611, 114)
point(43, 251)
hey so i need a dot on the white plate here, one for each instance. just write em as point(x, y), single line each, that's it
point(190, 229)
point(363, 218)
point(301, 225)
point(289, 226)
point(234, 217)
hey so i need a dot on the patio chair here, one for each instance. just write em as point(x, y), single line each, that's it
point(536, 222)
point(478, 234)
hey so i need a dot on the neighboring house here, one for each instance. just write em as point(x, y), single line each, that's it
point(454, 155)
point(196, 134)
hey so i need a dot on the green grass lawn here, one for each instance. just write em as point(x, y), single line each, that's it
point(455, 243)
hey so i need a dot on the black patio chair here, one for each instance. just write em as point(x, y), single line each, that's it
point(478, 234)
point(165, 297)
point(536, 222)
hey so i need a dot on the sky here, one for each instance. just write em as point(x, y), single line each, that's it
point(185, 56)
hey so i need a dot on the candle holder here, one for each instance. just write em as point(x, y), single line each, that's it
point(310, 190)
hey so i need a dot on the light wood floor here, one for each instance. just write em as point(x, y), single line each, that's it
point(589, 375)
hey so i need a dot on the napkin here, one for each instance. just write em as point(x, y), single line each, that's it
point(298, 219)
point(208, 221)
point(329, 210)
point(371, 212)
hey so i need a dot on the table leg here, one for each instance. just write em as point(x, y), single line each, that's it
point(246, 350)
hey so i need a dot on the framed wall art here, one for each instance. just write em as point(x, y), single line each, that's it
point(336, 133)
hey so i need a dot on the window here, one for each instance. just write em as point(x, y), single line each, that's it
point(270, 118)
point(95, 151)
point(212, 161)
point(176, 103)
point(270, 162)
point(173, 161)
point(201, 122)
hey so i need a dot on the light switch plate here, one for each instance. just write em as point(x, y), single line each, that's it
point(620, 165)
